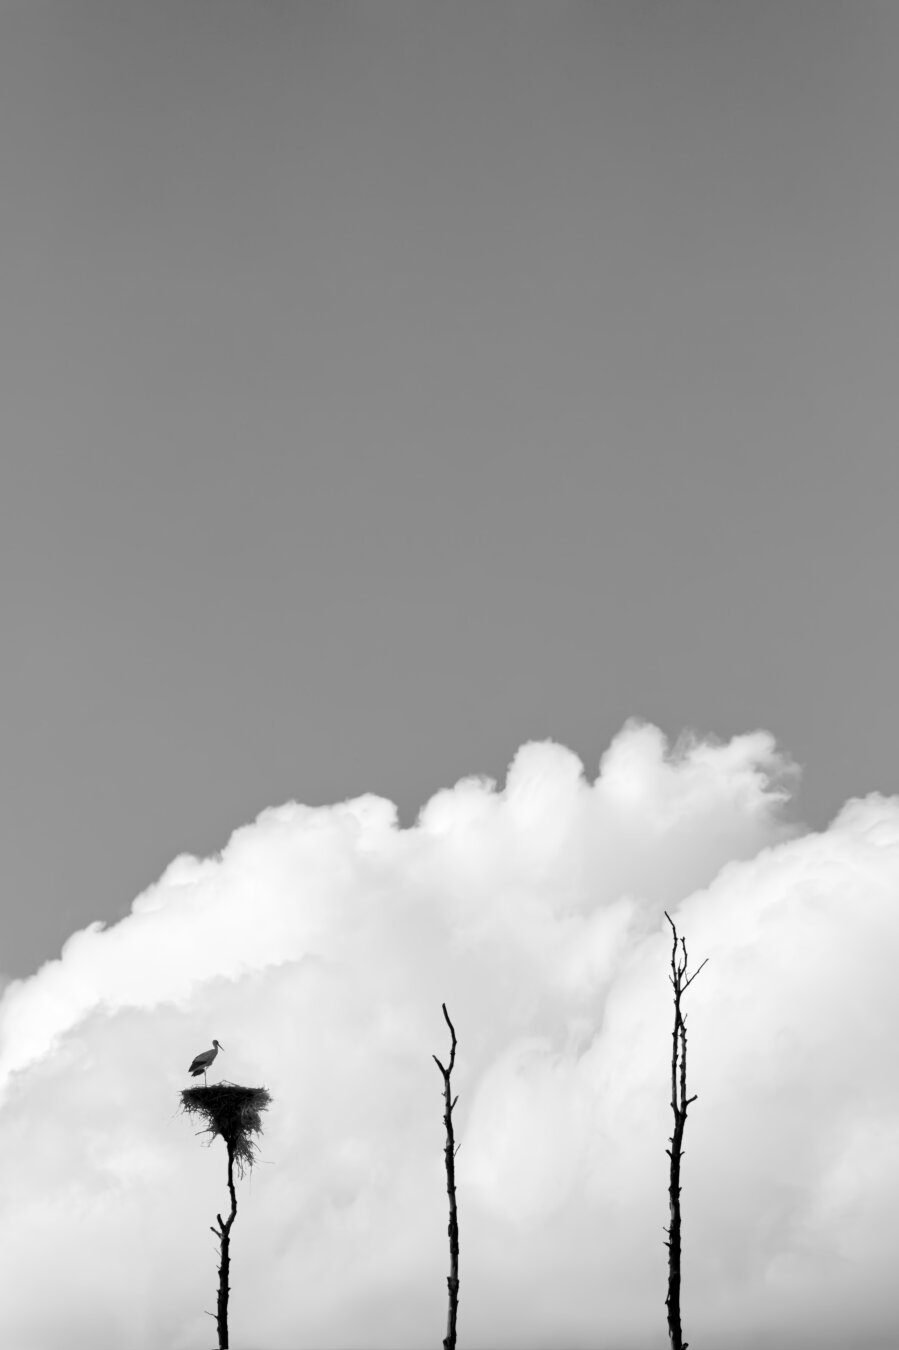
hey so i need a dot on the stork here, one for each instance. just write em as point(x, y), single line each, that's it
point(202, 1062)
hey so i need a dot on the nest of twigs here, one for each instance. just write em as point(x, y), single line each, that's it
point(233, 1112)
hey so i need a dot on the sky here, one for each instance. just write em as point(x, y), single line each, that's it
point(399, 398)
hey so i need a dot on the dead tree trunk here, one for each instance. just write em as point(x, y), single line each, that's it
point(679, 1102)
point(223, 1233)
point(234, 1113)
point(452, 1283)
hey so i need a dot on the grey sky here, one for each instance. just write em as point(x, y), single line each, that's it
point(384, 386)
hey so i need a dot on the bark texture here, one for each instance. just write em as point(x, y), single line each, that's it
point(680, 981)
point(450, 1150)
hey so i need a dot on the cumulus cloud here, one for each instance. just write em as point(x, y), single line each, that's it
point(318, 947)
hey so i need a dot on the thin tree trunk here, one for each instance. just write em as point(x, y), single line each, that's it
point(452, 1283)
point(223, 1233)
point(679, 1104)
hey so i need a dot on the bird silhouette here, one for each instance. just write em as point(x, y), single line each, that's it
point(202, 1062)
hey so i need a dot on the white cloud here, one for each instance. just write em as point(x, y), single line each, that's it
point(318, 948)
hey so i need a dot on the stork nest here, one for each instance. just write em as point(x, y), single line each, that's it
point(233, 1112)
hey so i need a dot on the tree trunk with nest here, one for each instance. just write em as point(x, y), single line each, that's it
point(679, 1102)
point(234, 1113)
point(450, 1150)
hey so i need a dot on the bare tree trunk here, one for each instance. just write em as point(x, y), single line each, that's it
point(449, 1341)
point(679, 1103)
point(223, 1233)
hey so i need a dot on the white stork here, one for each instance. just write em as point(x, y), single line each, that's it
point(202, 1062)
